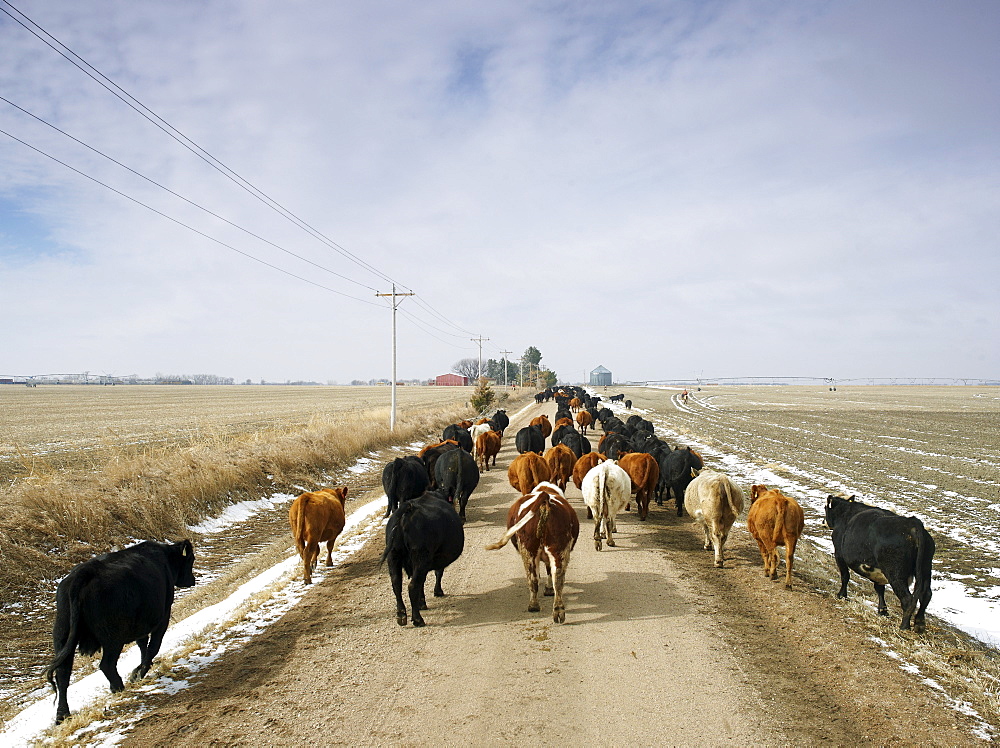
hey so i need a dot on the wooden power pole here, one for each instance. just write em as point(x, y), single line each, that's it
point(395, 306)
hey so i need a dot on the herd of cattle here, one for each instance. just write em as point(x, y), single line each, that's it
point(125, 596)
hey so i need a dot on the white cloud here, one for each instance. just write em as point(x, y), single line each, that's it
point(736, 188)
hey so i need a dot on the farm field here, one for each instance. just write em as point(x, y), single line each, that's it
point(932, 452)
point(52, 428)
point(801, 666)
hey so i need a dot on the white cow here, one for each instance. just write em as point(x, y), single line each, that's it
point(715, 501)
point(606, 489)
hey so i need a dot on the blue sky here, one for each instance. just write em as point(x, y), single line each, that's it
point(668, 189)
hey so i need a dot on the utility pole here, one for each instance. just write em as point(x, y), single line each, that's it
point(395, 306)
point(505, 354)
point(480, 341)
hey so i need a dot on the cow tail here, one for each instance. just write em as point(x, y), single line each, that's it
point(779, 522)
point(402, 514)
point(512, 530)
point(543, 516)
point(922, 572)
point(390, 490)
point(300, 531)
point(602, 495)
point(67, 650)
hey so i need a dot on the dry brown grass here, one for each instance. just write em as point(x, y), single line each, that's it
point(114, 474)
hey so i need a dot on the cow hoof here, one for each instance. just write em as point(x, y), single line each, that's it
point(559, 616)
point(534, 608)
point(60, 716)
point(884, 613)
point(788, 586)
point(611, 544)
point(401, 619)
point(841, 595)
point(718, 564)
point(597, 544)
point(418, 622)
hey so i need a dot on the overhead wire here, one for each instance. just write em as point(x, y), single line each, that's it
point(181, 223)
point(181, 197)
point(51, 41)
point(92, 72)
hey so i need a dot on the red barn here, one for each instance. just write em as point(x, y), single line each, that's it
point(451, 380)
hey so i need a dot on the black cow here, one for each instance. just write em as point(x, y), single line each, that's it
point(885, 548)
point(501, 420)
point(529, 439)
point(577, 442)
point(676, 471)
point(114, 599)
point(456, 475)
point(559, 433)
point(644, 441)
point(540, 398)
point(604, 414)
point(424, 534)
point(403, 479)
point(628, 405)
point(430, 456)
point(616, 398)
point(456, 433)
point(614, 446)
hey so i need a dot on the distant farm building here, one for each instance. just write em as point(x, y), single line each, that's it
point(600, 377)
point(451, 380)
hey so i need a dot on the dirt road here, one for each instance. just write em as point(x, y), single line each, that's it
point(659, 647)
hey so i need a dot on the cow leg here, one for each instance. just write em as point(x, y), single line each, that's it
point(598, 537)
point(919, 623)
point(610, 528)
point(329, 552)
point(62, 674)
point(549, 564)
point(309, 561)
point(789, 560)
point(109, 666)
point(462, 501)
point(438, 590)
point(845, 576)
point(764, 555)
point(905, 599)
point(396, 577)
point(144, 659)
point(531, 571)
point(719, 542)
point(708, 538)
point(883, 609)
point(558, 606)
point(416, 590)
point(149, 647)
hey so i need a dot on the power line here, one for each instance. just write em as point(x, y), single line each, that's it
point(181, 197)
point(181, 223)
point(151, 116)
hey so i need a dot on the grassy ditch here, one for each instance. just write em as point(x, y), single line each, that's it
point(56, 518)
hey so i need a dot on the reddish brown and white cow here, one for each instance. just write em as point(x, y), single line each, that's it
point(527, 471)
point(316, 517)
point(644, 471)
point(487, 447)
point(715, 501)
point(543, 527)
point(561, 460)
point(775, 519)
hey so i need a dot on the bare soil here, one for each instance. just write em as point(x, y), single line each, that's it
point(658, 647)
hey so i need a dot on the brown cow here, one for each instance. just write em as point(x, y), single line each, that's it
point(583, 466)
point(465, 424)
point(561, 460)
point(543, 423)
point(544, 528)
point(487, 446)
point(565, 422)
point(584, 419)
point(775, 519)
point(316, 517)
point(481, 421)
point(644, 471)
point(575, 404)
point(527, 471)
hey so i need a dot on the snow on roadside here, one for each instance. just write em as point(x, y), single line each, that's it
point(239, 616)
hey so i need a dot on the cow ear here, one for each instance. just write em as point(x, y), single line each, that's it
point(829, 502)
point(345, 491)
point(186, 549)
point(851, 499)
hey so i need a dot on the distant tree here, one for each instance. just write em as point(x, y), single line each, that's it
point(548, 378)
point(494, 370)
point(483, 396)
point(467, 367)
